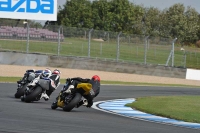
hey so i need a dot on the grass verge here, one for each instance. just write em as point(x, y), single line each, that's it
point(186, 108)
point(62, 81)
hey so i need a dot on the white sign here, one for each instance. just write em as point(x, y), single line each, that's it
point(193, 74)
point(29, 9)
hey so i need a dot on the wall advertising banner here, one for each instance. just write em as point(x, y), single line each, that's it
point(29, 9)
point(193, 74)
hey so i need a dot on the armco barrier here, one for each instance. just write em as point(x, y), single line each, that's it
point(15, 58)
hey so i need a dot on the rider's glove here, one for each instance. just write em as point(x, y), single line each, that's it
point(68, 80)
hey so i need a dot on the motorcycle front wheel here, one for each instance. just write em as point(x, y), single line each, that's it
point(54, 105)
point(33, 95)
point(68, 107)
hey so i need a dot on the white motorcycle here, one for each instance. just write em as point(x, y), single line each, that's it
point(28, 77)
point(37, 88)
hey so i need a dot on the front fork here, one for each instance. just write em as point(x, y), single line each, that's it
point(68, 98)
point(27, 91)
point(19, 86)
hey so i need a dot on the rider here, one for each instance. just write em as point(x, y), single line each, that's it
point(29, 75)
point(55, 82)
point(95, 81)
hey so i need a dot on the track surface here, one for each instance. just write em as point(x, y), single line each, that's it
point(38, 117)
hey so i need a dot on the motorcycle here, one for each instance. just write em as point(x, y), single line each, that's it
point(28, 77)
point(69, 97)
point(36, 88)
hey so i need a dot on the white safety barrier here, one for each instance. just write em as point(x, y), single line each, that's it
point(193, 74)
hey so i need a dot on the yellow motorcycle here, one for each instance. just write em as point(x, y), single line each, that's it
point(69, 97)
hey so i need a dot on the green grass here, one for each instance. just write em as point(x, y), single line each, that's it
point(62, 81)
point(186, 108)
point(130, 52)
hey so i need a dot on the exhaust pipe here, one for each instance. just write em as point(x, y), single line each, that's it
point(85, 102)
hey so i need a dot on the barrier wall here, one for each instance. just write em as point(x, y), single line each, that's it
point(15, 58)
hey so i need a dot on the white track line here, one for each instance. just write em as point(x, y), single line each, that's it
point(117, 106)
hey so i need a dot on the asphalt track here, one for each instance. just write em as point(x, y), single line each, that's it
point(38, 117)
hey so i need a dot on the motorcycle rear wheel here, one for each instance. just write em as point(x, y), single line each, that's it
point(68, 107)
point(33, 95)
point(20, 92)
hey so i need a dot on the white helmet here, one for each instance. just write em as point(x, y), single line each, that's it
point(46, 73)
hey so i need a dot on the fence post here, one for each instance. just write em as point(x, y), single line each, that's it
point(89, 38)
point(108, 38)
point(85, 35)
point(145, 50)
point(171, 54)
point(173, 51)
point(59, 39)
point(185, 59)
point(27, 41)
point(118, 45)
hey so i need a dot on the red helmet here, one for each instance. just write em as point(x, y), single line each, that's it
point(56, 71)
point(96, 77)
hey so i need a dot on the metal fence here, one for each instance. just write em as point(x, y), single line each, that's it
point(104, 45)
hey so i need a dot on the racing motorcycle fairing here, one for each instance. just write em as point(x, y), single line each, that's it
point(84, 87)
point(60, 101)
point(69, 92)
point(43, 83)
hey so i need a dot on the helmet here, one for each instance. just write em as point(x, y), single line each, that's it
point(96, 77)
point(56, 71)
point(46, 73)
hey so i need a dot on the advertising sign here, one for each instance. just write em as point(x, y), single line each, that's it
point(29, 9)
point(193, 74)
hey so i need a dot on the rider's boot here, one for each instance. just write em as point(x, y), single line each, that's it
point(79, 104)
point(45, 96)
point(48, 92)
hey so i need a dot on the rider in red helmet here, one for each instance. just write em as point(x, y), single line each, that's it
point(95, 81)
point(56, 72)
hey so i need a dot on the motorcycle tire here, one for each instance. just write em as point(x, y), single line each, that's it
point(22, 98)
point(54, 105)
point(20, 92)
point(33, 95)
point(68, 107)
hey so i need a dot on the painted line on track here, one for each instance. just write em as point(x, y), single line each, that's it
point(118, 107)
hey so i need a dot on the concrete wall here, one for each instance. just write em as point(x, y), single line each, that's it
point(14, 58)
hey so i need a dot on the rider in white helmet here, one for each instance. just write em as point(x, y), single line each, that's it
point(55, 82)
